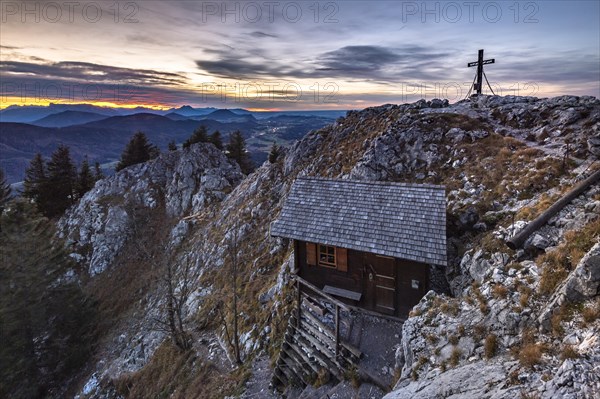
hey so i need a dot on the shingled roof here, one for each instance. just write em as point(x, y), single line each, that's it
point(406, 221)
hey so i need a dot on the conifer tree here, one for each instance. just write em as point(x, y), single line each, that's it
point(98, 175)
point(85, 180)
point(46, 320)
point(216, 140)
point(61, 182)
point(200, 135)
point(236, 150)
point(5, 190)
point(36, 182)
point(138, 150)
point(275, 153)
point(172, 146)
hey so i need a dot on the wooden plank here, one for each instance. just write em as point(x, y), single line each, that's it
point(329, 334)
point(311, 254)
point(305, 357)
point(321, 293)
point(341, 255)
point(320, 310)
point(300, 366)
point(325, 361)
point(325, 339)
point(292, 368)
point(337, 331)
point(341, 292)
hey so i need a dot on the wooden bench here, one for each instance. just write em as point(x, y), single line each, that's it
point(340, 292)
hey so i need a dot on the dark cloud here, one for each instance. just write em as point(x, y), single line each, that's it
point(352, 59)
point(262, 34)
point(89, 72)
point(373, 63)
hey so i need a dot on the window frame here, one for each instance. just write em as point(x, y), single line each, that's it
point(327, 254)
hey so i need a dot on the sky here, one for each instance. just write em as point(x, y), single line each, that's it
point(286, 55)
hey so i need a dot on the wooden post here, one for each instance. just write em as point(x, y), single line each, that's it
point(478, 86)
point(480, 72)
point(299, 287)
point(337, 330)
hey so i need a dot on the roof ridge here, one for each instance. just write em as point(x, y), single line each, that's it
point(373, 182)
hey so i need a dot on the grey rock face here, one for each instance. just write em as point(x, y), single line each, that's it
point(473, 380)
point(184, 181)
point(581, 284)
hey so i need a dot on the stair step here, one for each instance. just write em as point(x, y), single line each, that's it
point(327, 331)
point(322, 361)
point(308, 365)
point(292, 368)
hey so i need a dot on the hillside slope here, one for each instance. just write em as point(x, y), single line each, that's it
point(500, 158)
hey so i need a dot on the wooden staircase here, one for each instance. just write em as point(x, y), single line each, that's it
point(310, 348)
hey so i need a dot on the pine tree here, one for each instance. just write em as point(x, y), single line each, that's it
point(200, 135)
point(216, 140)
point(5, 191)
point(275, 153)
point(236, 150)
point(62, 182)
point(138, 150)
point(46, 321)
point(98, 174)
point(172, 146)
point(36, 182)
point(85, 179)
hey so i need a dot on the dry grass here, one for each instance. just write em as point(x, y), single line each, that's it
point(591, 313)
point(323, 376)
point(530, 355)
point(491, 346)
point(453, 339)
point(525, 296)
point(175, 374)
point(569, 352)
point(455, 357)
point(500, 291)
point(479, 331)
point(558, 263)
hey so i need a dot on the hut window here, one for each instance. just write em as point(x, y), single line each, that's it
point(327, 256)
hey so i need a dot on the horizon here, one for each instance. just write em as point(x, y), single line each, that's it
point(291, 55)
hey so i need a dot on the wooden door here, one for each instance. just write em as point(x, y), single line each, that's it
point(381, 279)
point(412, 284)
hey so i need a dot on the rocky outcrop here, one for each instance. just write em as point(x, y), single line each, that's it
point(583, 283)
point(432, 142)
point(179, 182)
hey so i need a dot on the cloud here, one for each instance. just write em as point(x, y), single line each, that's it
point(262, 34)
point(89, 72)
point(373, 63)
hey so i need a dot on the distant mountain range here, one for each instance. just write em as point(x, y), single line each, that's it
point(102, 133)
point(32, 113)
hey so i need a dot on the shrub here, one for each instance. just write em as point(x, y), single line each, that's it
point(455, 356)
point(323, 376)
point(453, 339)
point(479, 332)
point(491, 346)
point(591, 313)
point(530, 355)
point(569, 352)
point(500, 291)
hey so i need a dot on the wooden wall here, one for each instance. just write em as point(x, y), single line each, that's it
point(356, 279)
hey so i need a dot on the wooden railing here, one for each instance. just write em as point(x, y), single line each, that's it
point(336, 302)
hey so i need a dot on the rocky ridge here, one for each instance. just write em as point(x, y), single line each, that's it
point(496, 155)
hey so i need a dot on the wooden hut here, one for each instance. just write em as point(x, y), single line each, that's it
point(371, 244)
